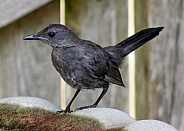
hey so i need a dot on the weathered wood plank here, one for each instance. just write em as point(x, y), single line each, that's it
point(25, 66)
point(141, 62)
point(166, 61)
point(11, 10)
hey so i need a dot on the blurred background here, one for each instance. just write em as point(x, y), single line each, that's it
point(26, 68)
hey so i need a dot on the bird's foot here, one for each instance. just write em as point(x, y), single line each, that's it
point(86, 107)
point(67, 110)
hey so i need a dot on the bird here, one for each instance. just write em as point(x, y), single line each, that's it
point(84, 64)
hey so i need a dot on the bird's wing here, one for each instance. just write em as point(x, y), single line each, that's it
point(96, 65)
point(99, 65)
point(114, 76)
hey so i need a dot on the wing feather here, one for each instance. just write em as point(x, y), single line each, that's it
point(100, 66)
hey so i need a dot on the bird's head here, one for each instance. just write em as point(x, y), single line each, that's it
point(55, 35)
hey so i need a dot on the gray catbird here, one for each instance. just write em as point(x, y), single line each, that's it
point(85, 65)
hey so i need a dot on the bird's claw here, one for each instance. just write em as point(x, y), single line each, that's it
point(67, 110)
point(85, 107)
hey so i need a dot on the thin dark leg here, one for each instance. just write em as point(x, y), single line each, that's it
point(97, 101)
point(67, 110)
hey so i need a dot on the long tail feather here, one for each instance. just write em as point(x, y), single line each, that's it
point(132, 43)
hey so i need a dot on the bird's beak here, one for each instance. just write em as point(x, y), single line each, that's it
point(33, 37)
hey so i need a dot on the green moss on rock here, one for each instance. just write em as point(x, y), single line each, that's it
point(15, 117)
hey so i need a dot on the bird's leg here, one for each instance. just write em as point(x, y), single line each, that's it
point(67, 110)
point(97, 101)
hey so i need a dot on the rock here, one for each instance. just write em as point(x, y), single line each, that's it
point(149, 125)
point(110, 118)
point(29, 113)
point(31, 102)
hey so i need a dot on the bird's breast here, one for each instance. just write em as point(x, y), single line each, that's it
point(71, 66)
point(68, 66)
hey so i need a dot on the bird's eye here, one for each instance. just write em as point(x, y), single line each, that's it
point(51, 34)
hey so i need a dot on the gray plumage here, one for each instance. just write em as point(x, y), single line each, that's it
point(84, 64)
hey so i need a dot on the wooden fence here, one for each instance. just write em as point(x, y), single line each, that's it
point(26, 68)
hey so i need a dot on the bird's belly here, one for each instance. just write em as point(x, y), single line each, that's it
point(75, 75)
point(69, 74)
point(78, 78)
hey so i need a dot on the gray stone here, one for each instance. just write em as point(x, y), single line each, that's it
point(110, 118)
point(31, 102)
point(149, 125)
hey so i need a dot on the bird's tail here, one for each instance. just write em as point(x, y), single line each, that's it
point(122, 49)
point(132, 43)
